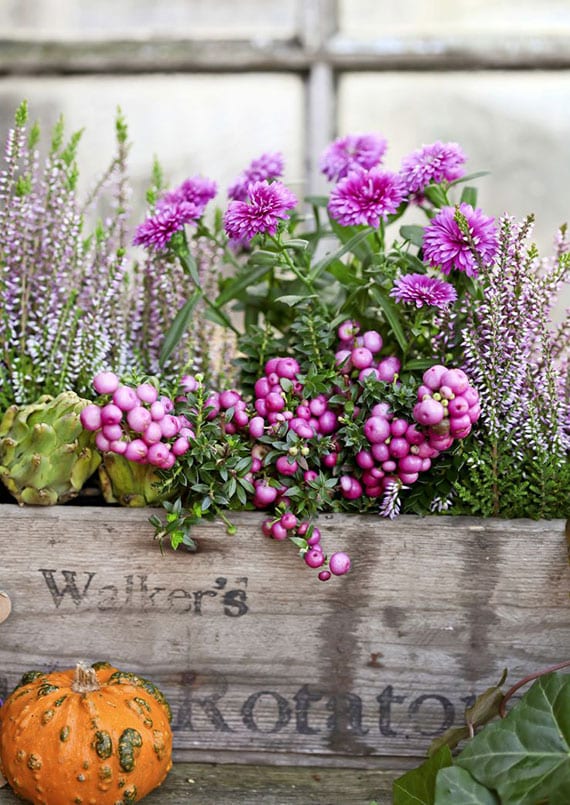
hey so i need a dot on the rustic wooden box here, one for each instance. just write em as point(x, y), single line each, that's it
point(260, 660)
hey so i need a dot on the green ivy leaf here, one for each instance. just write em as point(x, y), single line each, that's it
point(526, 756)
point(417, 787)
point(454, 786)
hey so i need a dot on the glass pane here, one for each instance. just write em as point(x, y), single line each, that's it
point(515, 125)
point(202, 124)
point(369, 19)
point(198, 18)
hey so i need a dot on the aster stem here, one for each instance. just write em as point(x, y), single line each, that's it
point(295, 269)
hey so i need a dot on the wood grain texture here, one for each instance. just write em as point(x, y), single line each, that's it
point(257, 657)
point(129, 55)
point(201, 784)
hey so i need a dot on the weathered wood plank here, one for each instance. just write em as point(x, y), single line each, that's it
point(35, 56)
point(202, 784)
point(257, 656)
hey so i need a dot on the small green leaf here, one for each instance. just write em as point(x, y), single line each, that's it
point(468, 177)
point(436, 195)
point(190, 267)
point(414, 234)
point(178, 327)
point(469, 196)
point(292, 299)
point(317, 201)
point(486, 706)
point(349, 246)
point(296, 243)
point(391, 313)
point(418, 363)
point(263, 257)
point(243, 280)
point(455, 786)
point(417, 787)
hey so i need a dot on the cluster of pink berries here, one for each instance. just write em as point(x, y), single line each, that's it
point(143, 426)
point(136, 423)
point(400, 450)
point(288, 526)
point(356, 354)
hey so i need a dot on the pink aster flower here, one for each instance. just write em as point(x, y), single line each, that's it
point(351, 153)
point(437, 162)
point(156, 232)
point(267, 166)
point(447, 247)
point(197, 190)
point(364, 197)
point(421, 290)
point(266, 205)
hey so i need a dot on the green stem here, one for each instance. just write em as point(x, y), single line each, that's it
point(295, 269)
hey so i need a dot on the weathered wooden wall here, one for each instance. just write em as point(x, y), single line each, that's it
point(261, 661)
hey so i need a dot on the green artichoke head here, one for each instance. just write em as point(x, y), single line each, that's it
point(45, 453)
point(128, 483)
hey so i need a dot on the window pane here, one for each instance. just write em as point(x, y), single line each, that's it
point(369, 19)
point(223, 18)
point(201, 124)
point(516, 125)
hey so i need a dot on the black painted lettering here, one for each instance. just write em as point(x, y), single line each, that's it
point(280, 721)
point(220, 583)
point(447, 707)
point(70, 587)
point(178, 595)
point(346, 713)
point(385, 700)
point(303, 699)
point(198, 599)
point(208, 703)
point(108, 598)
point(148, 597)
point(469, 700)
point(234, 603)
point(129, 587)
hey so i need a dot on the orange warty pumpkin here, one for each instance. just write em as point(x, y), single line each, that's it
point(86, 736)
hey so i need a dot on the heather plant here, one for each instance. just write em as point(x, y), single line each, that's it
point(519, 464)
point(173, 291)
point(64, 295)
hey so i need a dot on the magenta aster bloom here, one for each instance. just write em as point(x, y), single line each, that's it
point(447, 247)
point(267, 204)
point(364, 197)
point(197, 190)
point(437, 162)
point(352, 152)
point(267, 166)
point(421, 290)
point(156, 231)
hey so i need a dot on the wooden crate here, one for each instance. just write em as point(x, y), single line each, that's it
point(262, 662)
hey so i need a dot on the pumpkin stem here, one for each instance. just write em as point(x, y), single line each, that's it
point(85, 679)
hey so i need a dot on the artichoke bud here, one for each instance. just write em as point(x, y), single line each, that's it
point(128, 483)
point(45, 455)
